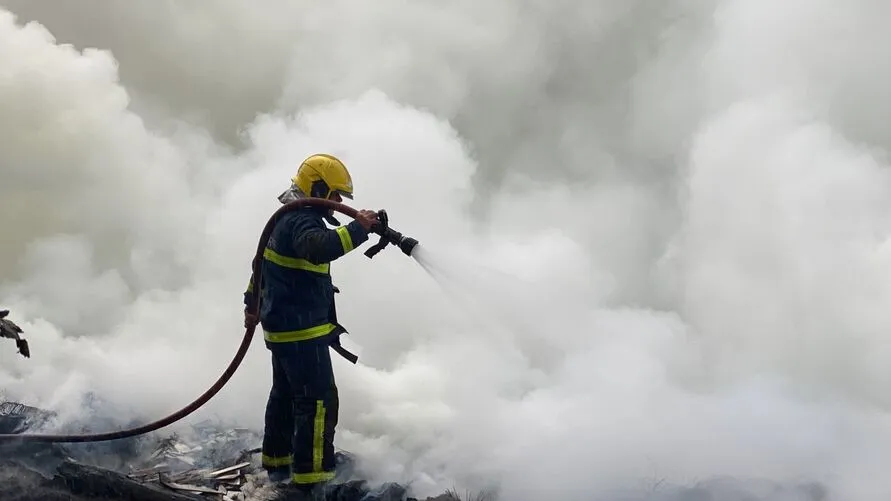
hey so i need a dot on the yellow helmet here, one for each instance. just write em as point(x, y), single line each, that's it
point(321, 174)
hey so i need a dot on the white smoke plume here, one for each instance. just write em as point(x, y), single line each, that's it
point(661, 227)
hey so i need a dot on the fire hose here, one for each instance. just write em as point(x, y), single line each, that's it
point(388, 236)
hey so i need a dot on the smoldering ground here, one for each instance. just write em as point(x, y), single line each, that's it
point(685, 204)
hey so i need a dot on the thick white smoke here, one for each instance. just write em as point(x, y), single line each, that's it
point(661, 227)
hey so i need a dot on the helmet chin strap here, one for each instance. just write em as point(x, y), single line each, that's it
point(294, 193)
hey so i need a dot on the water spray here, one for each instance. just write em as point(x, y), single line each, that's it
point(388, 236)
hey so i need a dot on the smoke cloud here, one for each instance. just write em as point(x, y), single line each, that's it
point(657, 232)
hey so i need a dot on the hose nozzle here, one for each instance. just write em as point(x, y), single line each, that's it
point(407, 245)
point(390, 236)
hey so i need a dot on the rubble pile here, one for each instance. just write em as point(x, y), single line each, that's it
point(226, 482)
point(16, 417)
point(208, 461)
point(22, 479)
point(215, 461)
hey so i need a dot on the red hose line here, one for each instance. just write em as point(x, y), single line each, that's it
point(233, 365)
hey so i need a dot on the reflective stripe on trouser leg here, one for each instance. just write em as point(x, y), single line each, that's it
point(279, 427)
point(314, 440)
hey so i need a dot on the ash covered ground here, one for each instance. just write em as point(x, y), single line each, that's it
point(209, 461)
point(217, 462)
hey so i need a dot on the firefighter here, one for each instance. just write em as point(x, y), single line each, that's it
point(299, 323)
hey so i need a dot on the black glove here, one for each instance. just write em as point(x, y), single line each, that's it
point(9, 329)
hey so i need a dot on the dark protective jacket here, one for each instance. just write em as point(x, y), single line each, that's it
point(296, 289)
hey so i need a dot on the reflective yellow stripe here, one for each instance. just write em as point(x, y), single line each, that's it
point(277, 461)
point(301, 335)
point(318, 438)
point(318, 450)
point(312, 478)
point(250, 287)
point(295, 263)
point(345, 239)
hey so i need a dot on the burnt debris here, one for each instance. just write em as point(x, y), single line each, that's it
point(210, 461)
point(8, 329)
point(16, 417)
point(206, 461)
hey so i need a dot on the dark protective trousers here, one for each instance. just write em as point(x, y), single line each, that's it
point(301, 413)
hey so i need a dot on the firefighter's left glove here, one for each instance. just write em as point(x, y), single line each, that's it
point(8, 329)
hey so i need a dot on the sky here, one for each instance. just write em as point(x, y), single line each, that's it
point(657, 232)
